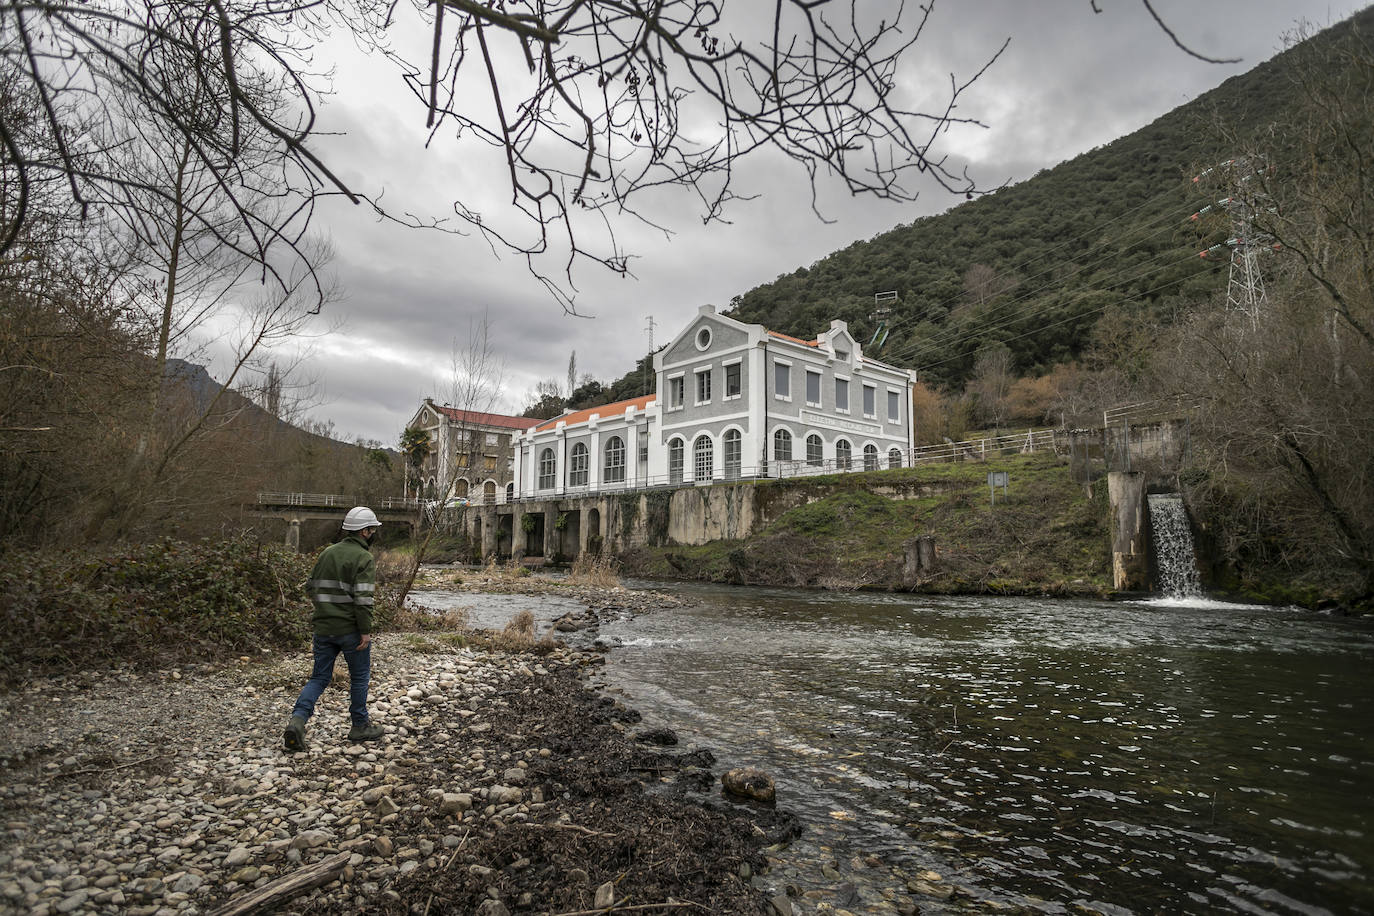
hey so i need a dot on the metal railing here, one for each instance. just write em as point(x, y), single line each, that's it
point(1149, 411)
point(1035, 440)
point(334, 500)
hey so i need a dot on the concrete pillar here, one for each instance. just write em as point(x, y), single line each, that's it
point(551, 533)
point(1126, 495)
point(491, 524)
point(584, 529)
point(293, 534)
point(517, 537)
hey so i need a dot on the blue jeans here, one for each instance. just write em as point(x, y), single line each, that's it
point(327, 648)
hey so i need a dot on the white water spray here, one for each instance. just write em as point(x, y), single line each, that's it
point(1173, 542)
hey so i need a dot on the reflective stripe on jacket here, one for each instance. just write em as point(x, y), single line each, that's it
point(341, 587)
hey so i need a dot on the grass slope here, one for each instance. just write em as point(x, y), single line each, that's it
point(1048, 537)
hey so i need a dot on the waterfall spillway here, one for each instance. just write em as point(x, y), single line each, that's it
point(1173, 542)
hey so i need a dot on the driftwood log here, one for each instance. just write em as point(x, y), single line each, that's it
point(286, 886)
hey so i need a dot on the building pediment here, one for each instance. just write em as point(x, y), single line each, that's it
point(708, 334)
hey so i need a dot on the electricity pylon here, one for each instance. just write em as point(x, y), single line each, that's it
point(1245, 286)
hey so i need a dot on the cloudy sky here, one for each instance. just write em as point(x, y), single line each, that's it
point(1070, 80)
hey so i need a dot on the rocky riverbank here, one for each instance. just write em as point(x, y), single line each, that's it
point(503, 785)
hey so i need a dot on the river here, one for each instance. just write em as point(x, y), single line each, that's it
point(1055, 755)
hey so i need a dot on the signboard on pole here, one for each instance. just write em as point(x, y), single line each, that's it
point(998, 479)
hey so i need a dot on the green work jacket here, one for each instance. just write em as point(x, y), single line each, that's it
point(341, 587)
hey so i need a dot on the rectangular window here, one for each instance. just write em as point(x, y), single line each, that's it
point(870, 401)
point(675, 387)
point(732, 385)
point(489, 462)
point(782, 380)
point(493, 439)
point(842, 395)
point(813, 389)
point(894, 407)
point(704, 387)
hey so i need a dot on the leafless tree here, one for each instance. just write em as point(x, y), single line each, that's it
point(226, 83)
point(1285, 430)
point(475, 384)
point(983, 284)
point(993, 374)
point(1315, 199)
point(592, 106)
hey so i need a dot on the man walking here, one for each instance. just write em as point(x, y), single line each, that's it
point(341, 587)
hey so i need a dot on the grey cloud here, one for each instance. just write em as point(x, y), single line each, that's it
point(1069, 81)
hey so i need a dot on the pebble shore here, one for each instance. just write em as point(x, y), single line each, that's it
point(169, 792)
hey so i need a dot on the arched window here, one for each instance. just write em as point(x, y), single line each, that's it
point(734, 454)
point(547, 467)
point(843, 453)
point(894, 458)
point(675, 459)
point(614, 468)
point(870, 457)
point(489, 491)
point(510, 491)
point(815, 451)
point(577, 466)
point(782, 445)
point(703, 457)
point(461, 487)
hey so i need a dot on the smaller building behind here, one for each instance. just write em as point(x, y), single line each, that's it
point(471, 452)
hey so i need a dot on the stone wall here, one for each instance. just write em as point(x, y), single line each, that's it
point(687, 516)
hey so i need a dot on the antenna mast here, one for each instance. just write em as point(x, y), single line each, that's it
point(650, 328)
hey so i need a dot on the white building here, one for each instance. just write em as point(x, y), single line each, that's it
point(734, 400)
point(589, 451)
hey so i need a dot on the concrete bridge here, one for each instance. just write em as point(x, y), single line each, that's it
point(294, 508)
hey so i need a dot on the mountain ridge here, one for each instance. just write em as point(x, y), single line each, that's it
point(1034, 264)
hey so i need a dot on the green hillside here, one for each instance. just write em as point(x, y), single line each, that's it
point(1035, 265)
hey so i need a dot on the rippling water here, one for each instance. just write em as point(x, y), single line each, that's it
point(1132, 758)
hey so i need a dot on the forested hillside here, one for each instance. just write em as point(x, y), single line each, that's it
point(1036, 265)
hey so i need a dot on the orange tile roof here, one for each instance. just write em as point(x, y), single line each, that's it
point(478, 418)
point(605, 410)
point(804, 343)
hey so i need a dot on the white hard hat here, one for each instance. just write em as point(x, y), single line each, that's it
point(360, 517)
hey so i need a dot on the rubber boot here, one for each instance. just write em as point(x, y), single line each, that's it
point(368, 731)
point(294, 739)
